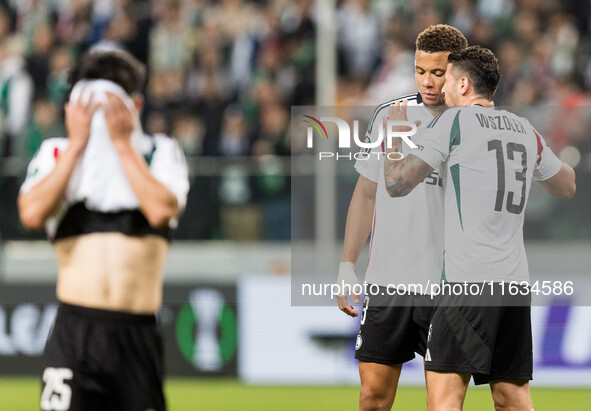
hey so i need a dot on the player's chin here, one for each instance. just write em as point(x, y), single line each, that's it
point(433, 100)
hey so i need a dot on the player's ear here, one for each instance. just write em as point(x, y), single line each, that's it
point(464, 85)
point(138, 101)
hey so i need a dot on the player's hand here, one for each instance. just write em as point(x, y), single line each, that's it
point(78, 116)
point(397, 112)
point(119, 119)
point(346, 280)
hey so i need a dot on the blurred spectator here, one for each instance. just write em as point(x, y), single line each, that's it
point(171, 43)
point(74, 25)
point(525, 93)
point(16, 92)
point(234, 136)
point(102, 14)
point(495, 9)
point(463, 15)
point(562, 39)
point(483, 34)
point(526, 29)
point(210, 107)
point(272, 137)
point(157, 123)
point(164, 93)
point(124, 23)
point(57, 82)
point(358, 37)
point(208, 66)
point(189, 132)
point(423, 17)
point(45, 123)
point(510, 60)
point(38, 59)
point(273, 190)
point(351, 92)
point(395, 76)
point(121, 30)
point(234, 17)
point(30, 15)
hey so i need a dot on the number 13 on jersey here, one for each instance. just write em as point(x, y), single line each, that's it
point(520, 176)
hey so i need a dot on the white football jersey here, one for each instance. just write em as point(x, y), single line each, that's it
point(491, 158)
point(407, 232)
point(163, 154)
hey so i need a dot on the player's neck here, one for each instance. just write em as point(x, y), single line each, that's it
point(474, 100)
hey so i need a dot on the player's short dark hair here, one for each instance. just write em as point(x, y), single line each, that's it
point(115, 65)
point(481, 66)
point(441, 37)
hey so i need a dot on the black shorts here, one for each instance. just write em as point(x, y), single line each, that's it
point(393, 328)
point(492, 342)
point(103, 360)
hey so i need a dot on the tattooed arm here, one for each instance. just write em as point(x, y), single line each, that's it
point(402, 176)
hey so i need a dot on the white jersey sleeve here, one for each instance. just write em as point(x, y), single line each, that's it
point(169, 166)
point(43, 162)
point(547, 164)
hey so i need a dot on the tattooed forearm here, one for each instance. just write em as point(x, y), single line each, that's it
point(402, 176)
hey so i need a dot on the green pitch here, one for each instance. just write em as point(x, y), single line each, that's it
point(22, 394)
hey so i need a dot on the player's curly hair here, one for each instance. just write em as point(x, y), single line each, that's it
point(481, 66)
point(109, 63)
point(441, 37)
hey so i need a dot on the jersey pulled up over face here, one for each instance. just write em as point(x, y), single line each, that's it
point(407, 233)
point(491, 157)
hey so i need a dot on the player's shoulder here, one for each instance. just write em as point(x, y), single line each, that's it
point(52, 146)
point(55, 142)
point(454, 111)
point(165, 146)
point(446, 117)
point(163, 141)
point(513, 115)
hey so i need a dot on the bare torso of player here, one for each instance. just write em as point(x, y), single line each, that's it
point(111, 271)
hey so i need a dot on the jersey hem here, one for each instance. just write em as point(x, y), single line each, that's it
point(551, 175)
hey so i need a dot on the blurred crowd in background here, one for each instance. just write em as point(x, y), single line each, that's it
point(224, 74)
